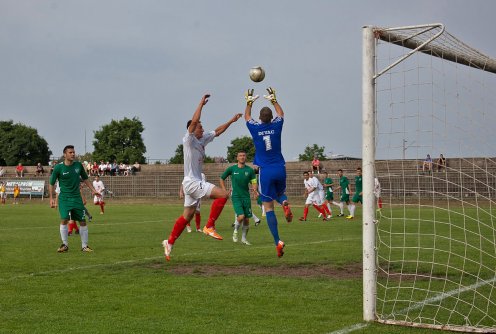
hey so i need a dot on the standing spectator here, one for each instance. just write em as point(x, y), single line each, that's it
point(3, 192)
point(194, 142)
point(441, 163)
point(69, 174)
point(268, 157)
point(316, 165)
point(242, 176)
point(39, 169)
point(17, 193)
point(100, 189)
point(19, 170)
point(427, 165)
point(2, 171)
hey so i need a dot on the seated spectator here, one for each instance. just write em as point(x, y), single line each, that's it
point(39, 170)
point(94, 169)
point(19, 170)
point(114, 168)
point(136, 168)
point(2, 171)
point(102, 168)
point(87, 166)
point(316, 165)
point(123, 169)
point(441, 163)
point(427, 165)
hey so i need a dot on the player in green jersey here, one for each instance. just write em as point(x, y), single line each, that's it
point(241, 178)
point(329, 193)
point(344, 185)
point(357, 197)
point(69, 173)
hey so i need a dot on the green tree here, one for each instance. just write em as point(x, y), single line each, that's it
point(244, 143)
point(311, 151)
point(178, 158)
point(121, 141)
point(21, 143)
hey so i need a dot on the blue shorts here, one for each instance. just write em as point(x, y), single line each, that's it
point(272, 184)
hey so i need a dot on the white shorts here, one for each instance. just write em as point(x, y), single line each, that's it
point(3, 195)
point(314, 198)
point(194, 190)
point(97, 200)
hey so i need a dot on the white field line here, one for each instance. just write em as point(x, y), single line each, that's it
point(99, 265)
point(90, 224)
point(418, 305)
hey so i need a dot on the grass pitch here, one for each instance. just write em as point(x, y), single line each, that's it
point(210, 286)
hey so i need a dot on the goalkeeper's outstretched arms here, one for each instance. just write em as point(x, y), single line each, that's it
point(272, 98)
point(249, 101)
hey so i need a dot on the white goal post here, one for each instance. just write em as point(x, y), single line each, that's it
point(429, 256)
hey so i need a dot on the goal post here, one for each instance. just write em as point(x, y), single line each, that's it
point(429, 256)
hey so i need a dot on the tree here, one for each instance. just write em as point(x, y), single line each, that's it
point(121, 141)
point(244, 143)
point(22, 144)
point(311, 151)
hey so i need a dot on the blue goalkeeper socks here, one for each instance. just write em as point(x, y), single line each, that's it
point(272, 222)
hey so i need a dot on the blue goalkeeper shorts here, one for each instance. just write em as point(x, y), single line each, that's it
point(272, 183)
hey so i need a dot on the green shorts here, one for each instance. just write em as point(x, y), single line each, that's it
point(242, 207)
point(72, 209)
point(345, 197)
point(357, 198)
point(329, 196)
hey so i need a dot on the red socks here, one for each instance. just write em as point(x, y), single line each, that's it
point(305, 213)
point(379, 203)
point(72, 226)
point(319, 209)
point(215, 211)
point(179, 227)
point(198, 220)
point(326, 210)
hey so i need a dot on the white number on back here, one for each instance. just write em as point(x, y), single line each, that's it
point(268, 144)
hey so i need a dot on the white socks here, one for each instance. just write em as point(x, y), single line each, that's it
point(83, 232)
point(255, 218)
point(245, 231)
point(341, 207)
point(352, 207)
point(64, 234)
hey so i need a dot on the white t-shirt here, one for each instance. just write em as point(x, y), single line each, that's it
point(317, 183)
point(194, 154)
point(377, 188)
point(98, 185)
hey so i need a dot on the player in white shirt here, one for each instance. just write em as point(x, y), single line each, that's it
point(198, 208)
point(100, 188)
point(194, 142)
point(377, 193)
point(321, 192)
point(313, 196)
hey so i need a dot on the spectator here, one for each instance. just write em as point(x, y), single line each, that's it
point(441, 163)
point(114, 168)
point(123, 169)
point(2, 171)
point(19, 170)
point(102, 168)
point(17, 193)
point(87, 166)
point(94, 169)
point(316, 165)
point(52, 165)
point(427, 165)
point(136, 168)
point(39, 170)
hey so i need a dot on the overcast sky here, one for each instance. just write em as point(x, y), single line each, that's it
point(68, 67)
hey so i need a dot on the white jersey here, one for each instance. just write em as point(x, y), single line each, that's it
point(98, 185)
point(377, 188)
point(317, 183)
point(194, 154)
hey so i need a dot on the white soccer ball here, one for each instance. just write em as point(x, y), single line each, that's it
point(257, 74)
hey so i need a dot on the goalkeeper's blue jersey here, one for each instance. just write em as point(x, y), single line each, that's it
point(267, 140)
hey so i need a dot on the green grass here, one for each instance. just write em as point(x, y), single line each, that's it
point(209, 286)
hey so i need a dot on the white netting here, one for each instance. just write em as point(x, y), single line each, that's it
point(436, 236)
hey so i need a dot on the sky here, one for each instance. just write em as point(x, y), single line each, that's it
point(69, 67)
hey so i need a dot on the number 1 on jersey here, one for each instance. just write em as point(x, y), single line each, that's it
point(268, 144)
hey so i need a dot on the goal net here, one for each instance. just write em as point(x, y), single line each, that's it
point(433, 243)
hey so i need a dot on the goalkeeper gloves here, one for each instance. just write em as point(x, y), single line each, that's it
point(272, 95)
point(249, 97)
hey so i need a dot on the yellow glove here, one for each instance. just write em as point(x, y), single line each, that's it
point(272, 95)
point(249, 97)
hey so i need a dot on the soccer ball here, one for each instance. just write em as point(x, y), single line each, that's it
point(257, 74)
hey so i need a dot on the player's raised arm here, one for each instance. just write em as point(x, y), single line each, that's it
point(249, 101)
point(197, 115)
point(272, 98)
point(221, 128)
